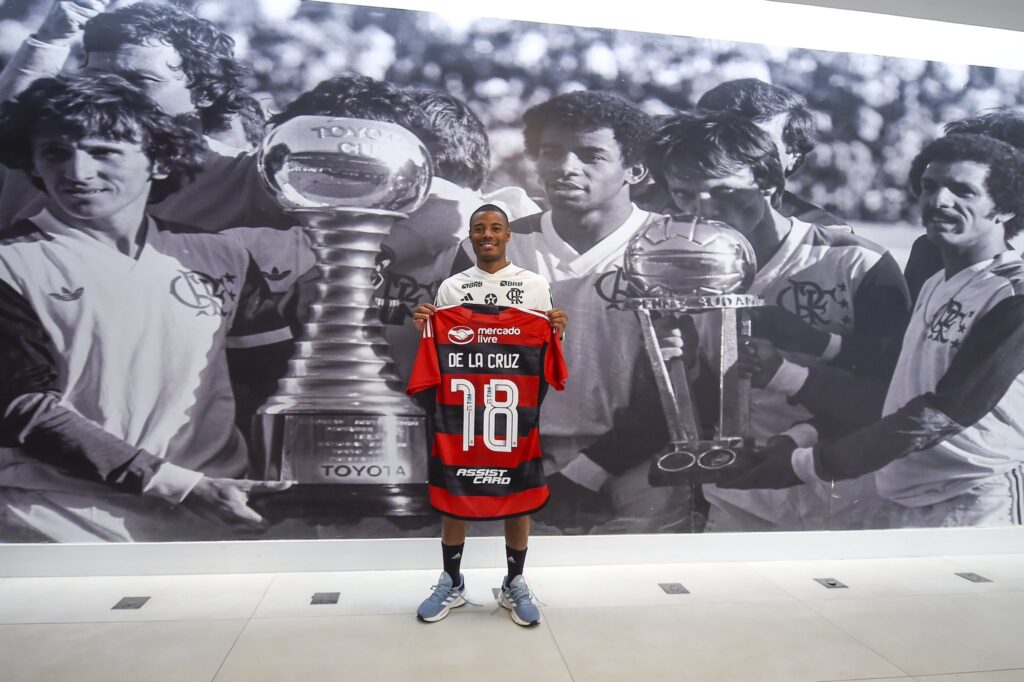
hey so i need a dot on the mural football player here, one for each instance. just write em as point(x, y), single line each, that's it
point(950, 449)
point(116, 409)
point(588, 149)
point(493, 281)
point(835, 301)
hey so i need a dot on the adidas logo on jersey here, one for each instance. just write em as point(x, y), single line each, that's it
point(68, 295)
point(468, 298)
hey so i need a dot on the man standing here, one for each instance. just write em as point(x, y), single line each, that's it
point(494, 280)
point(835, 303)
point(116, 409)
point(950, 449)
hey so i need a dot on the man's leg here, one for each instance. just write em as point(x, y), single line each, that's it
point(517, 535)
point(515, 594)
point(453, 540)
point(450, 589)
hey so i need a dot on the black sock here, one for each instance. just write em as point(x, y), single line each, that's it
point(452, 555)
point(516, 560)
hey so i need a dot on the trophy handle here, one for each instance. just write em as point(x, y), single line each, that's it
point(734, 415)
point(673, 389)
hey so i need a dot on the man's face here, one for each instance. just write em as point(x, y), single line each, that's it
point(489, 235)
point(956, 208)
point(734, 199)
point(152, 68)
point(583, 170)
point(91, 178)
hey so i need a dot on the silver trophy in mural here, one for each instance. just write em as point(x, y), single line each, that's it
point(691, 265)
point(340, 414)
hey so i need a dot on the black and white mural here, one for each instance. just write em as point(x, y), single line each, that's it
point(193, 348)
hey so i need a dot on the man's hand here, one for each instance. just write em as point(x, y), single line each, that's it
point(677, 337)
point(773, 471)
point(66, 18)
point(226, 500)
point(758, 360)
point(423, 312)
point(787, 331)
point(558, 320)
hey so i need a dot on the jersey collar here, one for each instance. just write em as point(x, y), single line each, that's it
point(580, 264)
point(770, 272)
point(483, 274)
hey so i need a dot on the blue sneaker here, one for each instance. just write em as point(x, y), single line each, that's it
point(444, 598)
point(516, 597)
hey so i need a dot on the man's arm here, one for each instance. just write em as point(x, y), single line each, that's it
point(861, 361)
point(978, 378)
point(45, 52)
point(32, 418)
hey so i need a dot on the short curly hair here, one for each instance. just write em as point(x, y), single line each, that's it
point(215, 77)
point(355, 96)
point(760, 102)
point(462, 152)
point(1004, 181)
point(589, 110)
point(104, 106)
point(719, 144)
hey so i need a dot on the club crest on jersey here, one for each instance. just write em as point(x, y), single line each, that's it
point(202, 292)
point(514, 296)
point(949, 321)
point(396, 294)
point(613, 287)
point(461, 335)
point(810, 301)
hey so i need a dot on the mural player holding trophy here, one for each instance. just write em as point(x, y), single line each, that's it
point(833, 300)
point(462, 483)
point(117, 410)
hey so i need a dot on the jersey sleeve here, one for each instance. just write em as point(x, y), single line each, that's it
point(257, 321)
point(556, 372)
point(881, 312)
point(426, 371)
point(978, 378)
point(32, 419)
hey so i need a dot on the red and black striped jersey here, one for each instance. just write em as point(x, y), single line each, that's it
point(491, 368)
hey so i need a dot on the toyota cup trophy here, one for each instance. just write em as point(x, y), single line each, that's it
point(688, 264)
point(340, 424)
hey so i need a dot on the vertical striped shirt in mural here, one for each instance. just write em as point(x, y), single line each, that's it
point(491, 368)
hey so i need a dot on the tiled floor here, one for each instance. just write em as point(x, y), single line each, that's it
point(898, 619)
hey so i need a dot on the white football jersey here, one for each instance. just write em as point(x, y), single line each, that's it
point(139, 343)
point(840, 283)
point(982, 430)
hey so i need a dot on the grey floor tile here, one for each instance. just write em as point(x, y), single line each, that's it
point(182, 651)
point(784, 642)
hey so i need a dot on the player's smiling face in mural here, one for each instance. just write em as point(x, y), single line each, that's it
point(154, 69)
point(582, 170)
point(956, 208)
point(92, 178)
point(735, 199)
point(489, 235)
